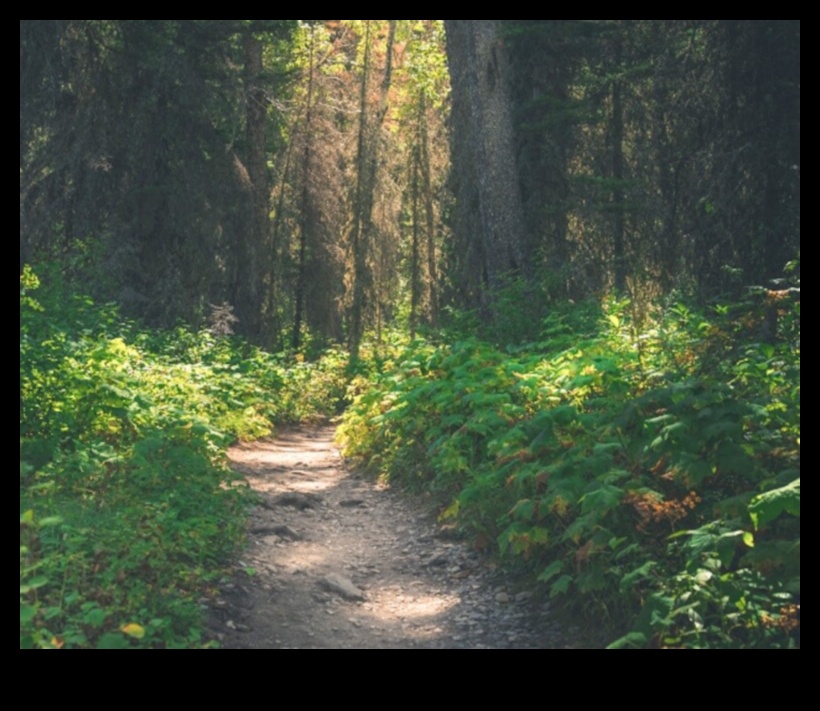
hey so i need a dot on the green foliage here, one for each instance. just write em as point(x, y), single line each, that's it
point(766, 507)
point(644, 465)
point(128, 510)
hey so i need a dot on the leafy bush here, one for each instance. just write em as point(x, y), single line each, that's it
point(582, 458)
point(128, 510)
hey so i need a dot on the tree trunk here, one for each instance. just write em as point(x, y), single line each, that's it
point(304, 222)
point(366, 166)
point(618, 207)
point(358, 234)
point(429, 215)
point(415, 266)
point(248, 287)
point(489, 214)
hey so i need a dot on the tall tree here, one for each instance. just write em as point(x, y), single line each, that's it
point(247, 281)
point(426, 91)
point(367, 157)
point(489, 220)
point(656, 153)
point(141, 156)
point(305, 223)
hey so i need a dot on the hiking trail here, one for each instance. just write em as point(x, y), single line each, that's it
point(337, 561)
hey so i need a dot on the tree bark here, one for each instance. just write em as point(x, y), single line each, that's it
point(304, 222)
point(618, 207)
point(489, 214)
point(248, 287)
point(366, 164)
point(427, 191)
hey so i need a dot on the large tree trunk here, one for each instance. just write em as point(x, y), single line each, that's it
point(489, 215)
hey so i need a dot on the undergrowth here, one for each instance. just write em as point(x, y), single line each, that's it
point(128, 512)
point(645, 466)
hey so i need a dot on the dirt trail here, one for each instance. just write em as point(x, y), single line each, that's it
point(343, 563)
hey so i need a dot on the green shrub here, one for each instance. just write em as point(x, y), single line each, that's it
point(128, 510)
point(581, 456)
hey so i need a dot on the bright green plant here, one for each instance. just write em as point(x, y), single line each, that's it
point(128, 511)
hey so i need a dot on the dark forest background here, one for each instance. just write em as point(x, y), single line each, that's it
point(301, 172)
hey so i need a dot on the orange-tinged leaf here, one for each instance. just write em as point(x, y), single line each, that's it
point(57, 642)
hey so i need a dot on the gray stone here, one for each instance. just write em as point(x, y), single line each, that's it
point(438, 559)
point(278, 529)
point(297, 500)
point(340, 585)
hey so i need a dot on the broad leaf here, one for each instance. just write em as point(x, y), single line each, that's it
point(768, 506)
point(551, 571)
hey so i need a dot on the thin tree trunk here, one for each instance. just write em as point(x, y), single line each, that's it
point(304, 226)
point(415, 267)
point(249, 286)
point(357, 233)
point(619, 227)
point(427, 191)
point(275, 249)
point(663, 158)
point(366, 163)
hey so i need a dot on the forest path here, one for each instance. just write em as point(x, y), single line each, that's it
point(344, 563)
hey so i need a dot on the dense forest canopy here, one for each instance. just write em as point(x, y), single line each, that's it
point(301, 171)
point(595, 225)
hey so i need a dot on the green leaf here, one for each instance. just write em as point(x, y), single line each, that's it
point(560, 586)
point(660, 419)
point(551, 571)
point(711, 538)
point(616, 542)
point(542, 438)
point(601, 500)
point(672, 429)
point(112, 640)
point(654, 613)
point(635, 576)
point(633, 640)
point(523, 510)
point(27, 613)
point(50, 521)
point(33, 584)
point(768, 506)
point(95, 617)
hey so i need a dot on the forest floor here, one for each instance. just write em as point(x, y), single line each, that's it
point(336, 561)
